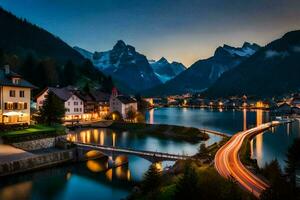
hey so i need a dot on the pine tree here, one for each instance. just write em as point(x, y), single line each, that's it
point(152, 179)
point(293, 161)
point(186, 187)
point(53, 109)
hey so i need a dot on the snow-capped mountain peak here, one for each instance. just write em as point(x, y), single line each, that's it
point(246, 50)
point(165, 70)
point(126, 65)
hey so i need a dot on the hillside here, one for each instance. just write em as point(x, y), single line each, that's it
point(273, 70)
point(42, 58)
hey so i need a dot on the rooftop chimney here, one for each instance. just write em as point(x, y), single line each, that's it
point(6, 69)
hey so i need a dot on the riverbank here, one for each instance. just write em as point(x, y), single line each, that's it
point(188, 134)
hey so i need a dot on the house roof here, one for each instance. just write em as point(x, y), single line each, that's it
point(64, 93)
point(100, 96)
point(126, 99)
point(6, 80)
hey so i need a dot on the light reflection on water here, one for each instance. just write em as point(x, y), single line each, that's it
point(92, 180)
point(272, 144)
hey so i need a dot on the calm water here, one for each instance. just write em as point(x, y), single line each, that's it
point(91, 180)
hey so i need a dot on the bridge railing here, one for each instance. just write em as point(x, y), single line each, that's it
point(134, 151)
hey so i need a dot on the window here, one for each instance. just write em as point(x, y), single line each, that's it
point(80, 102)
point(75, 103)
point(68, 103)
point(15, 106)
point(22, 93)
point(25, 106)
point(68, 110)
point(15, 80)
point(8, 106)
point(76, 110)
point(80, 109)
point(12, 93)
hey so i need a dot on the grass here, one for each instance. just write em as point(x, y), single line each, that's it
point(33, 132)
point(168, 131)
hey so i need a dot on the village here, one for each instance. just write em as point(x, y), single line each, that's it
point(18, 107)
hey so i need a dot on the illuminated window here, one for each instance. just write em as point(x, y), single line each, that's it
point(15, 80)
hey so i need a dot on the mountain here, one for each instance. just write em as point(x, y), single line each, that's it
point(86, 54)
point(203, 73)
point(272, 70)
point(125, 65)
point(21, 37)
point(165, 70)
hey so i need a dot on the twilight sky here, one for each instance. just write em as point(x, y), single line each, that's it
point(180, 30)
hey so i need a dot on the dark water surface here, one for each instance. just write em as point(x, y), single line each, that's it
point(91, 180)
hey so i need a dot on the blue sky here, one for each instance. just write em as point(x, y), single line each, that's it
point(180, 30)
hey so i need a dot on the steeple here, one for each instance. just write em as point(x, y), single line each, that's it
point(114, 92)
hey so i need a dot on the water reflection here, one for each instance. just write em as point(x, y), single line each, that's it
point(272, 144)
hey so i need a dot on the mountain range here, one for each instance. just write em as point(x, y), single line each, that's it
point(203, 73)
point(131, 69)
point(272, 70)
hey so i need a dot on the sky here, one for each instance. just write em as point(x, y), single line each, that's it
point(180, 30)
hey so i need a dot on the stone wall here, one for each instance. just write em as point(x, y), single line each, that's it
point(37, 161)
point(36, 144)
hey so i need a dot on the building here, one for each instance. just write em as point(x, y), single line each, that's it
point(74, 105)
point(79, 105)
point(102, 100)
point(122, 103)
point(15, 95)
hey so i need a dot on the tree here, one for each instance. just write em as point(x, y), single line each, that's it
point(141, 103)
point(86, 88)
point(202, 151)
point(130, 115)
point(70, 73)
point(279, 187)
point(186, 187)
point(53, 109)
point(152, 179)
point(293, 161)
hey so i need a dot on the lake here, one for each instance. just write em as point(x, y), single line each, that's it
point(91, 180)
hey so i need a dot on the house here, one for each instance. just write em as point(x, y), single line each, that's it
point(122, 103)
point(79, 104)
point(15, 95)
point(74, 104)
point(102, 100)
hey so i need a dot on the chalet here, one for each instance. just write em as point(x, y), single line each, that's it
point(80, 105)
point(122, 103)
point(74, 104)
point(15, 93)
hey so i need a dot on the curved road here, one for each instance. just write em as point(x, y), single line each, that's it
point(228, 164)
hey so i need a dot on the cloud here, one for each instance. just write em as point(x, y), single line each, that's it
point(272, 54)
point(296, 48)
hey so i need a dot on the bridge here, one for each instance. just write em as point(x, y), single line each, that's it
point(151, 156)
point(214, 132)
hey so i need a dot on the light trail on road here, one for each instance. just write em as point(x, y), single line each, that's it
point(228, 164)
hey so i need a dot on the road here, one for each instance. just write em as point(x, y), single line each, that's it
point(228, 164)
